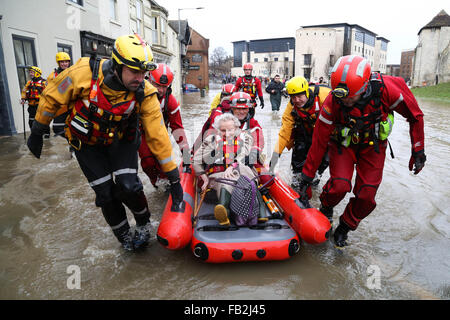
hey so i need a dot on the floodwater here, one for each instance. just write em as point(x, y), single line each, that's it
point(51, 231)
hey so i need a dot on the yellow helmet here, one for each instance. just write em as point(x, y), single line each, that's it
point(134, 52)
point(62, 56)
point(297, 85)
point(37, 71)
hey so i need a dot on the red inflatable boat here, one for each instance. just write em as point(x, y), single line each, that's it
point(275, 239)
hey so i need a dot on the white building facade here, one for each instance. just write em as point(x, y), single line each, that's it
point(269, 57)
point(319, 47)
point(432, 54)
point(32, 32)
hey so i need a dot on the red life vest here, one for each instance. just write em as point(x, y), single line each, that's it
point(96, 121)
point(249, 86)
point(363, 120)
point(305, 120)
point(35, 89)
point(227, 157)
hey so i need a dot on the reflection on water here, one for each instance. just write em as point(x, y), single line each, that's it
point(48, 222)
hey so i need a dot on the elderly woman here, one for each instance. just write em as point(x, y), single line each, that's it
point(222, 155)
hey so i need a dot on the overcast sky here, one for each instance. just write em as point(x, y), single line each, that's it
point(225, 21)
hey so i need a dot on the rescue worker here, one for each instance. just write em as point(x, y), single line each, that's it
point(222, 155)
point(354, 123)
point(31, 93)
point(161, 78)
point(251, 85)
point(221, 97)
point(106, 99)
point(297, 126)
point(63, 62)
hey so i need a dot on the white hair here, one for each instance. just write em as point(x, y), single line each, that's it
point(226, 117)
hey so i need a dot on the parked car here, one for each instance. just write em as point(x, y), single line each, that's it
point(188, 87)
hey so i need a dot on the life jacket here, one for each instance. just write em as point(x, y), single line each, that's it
point(35, 88)
point(305, 119)
point(367, 123)
point(249, 86)
point(164, 104)
point(96, 121)
point(226, 156)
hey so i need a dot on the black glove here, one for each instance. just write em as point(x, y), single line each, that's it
point(273, 161)
point(176, 191)
point(35, 141)
point(261, 102)
point(305, 183)
point(417, 161)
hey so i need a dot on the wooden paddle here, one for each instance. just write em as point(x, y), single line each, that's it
point(197, 208)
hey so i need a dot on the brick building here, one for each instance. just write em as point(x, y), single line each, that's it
point(197, 57)
point(406, 64)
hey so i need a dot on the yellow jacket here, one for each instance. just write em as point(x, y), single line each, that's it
point(215, 102)
point(285, 138)
point(74, 83)
point(50, 78)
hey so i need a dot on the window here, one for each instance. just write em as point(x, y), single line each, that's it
point(163, 23)
point(113, 10)
point(307, 59)
point(61, 47)
point(139, 17)
point(275, 59)
point(255, 60)
point(307, 73)
point(196, 58)
point(286, 58)
point(266, 59)
point(25, 55)
point(154, 26)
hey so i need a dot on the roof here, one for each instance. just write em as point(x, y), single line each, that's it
point(158, 7)
point(184, 28)
point(441, 20)
point(340, 25)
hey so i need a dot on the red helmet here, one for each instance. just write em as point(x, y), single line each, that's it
point(350, 76)
point(162, 75)
point(248, 66)
point(241, 100)
point(227, 89)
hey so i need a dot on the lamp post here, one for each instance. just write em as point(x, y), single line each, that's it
point(288, 75)
point(180, 38)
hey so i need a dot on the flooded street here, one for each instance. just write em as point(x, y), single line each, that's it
point(50, 225)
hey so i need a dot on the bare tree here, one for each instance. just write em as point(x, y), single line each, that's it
point(219, 61)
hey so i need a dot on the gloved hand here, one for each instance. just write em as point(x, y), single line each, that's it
point(176, 191)
point(35, 140)
point(261, 102)
point(305, 183)
point(417, 161)
point(273, 162)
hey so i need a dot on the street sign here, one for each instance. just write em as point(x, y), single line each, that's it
point(194, 67)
